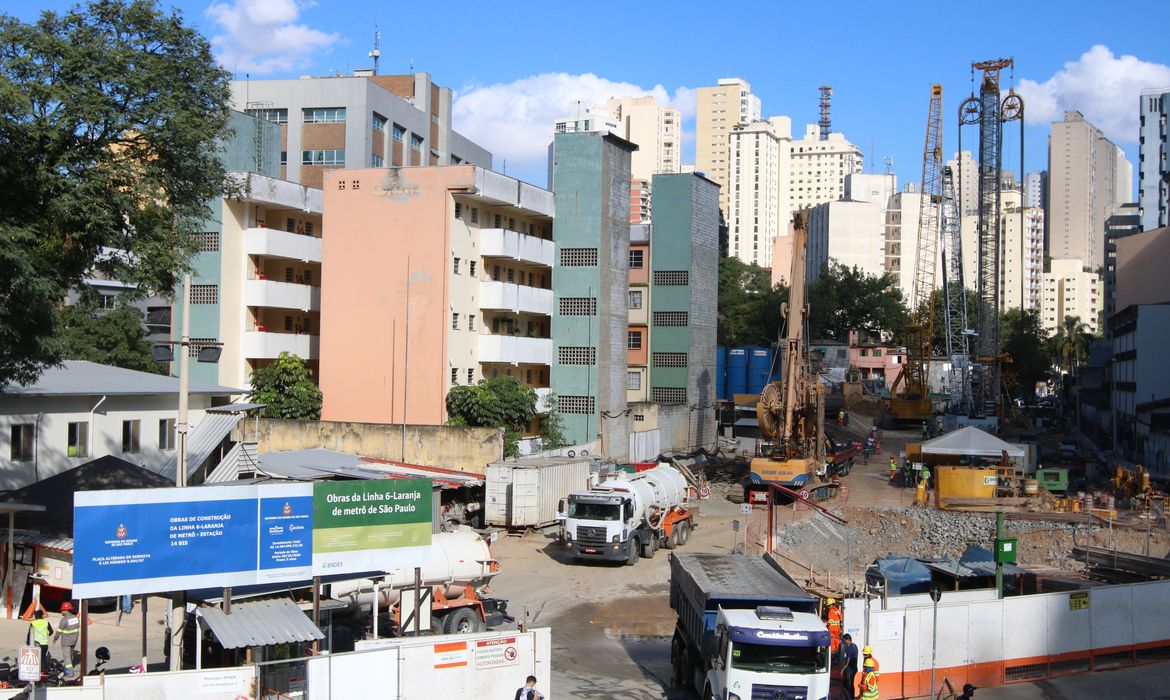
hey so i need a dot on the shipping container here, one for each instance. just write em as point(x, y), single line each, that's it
point(525, 492)
point(737, 371)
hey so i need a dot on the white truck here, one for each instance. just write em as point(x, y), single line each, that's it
point(746, 630)
point(627, 517)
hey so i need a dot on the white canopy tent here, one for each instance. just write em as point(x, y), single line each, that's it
point(970, 441)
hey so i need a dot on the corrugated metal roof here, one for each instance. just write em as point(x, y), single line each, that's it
point(204, 438)
point(260, 623)
point(320, 463)
point(38, 539)
point(81, 378)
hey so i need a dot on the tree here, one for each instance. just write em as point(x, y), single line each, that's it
point(846, 298)
point(109, 119)
point(500, 402)
point(107, 336)
point(1023, 338)
point(286, 389)
point(1070, 345)
point(749, 306)
point(552, 428)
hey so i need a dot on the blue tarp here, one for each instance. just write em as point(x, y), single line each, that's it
point(903, 575)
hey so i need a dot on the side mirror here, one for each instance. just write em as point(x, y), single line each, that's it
point(561, 506)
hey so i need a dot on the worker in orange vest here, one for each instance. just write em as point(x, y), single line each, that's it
point(867, 656)
point(869, 681)
point(833, 620)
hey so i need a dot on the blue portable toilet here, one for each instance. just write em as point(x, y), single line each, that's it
point(759, 369)
point(721, 373)
point(737, 371)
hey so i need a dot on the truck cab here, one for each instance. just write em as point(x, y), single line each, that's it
point(597, 525)
point(769, 652)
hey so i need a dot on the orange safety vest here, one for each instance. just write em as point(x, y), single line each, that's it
point(834, 622)
point(869, 689)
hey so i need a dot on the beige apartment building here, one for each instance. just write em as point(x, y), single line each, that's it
point(819, 168)
point(718, 109)
point(1089, 179)
point(758, 208)
point(1071, 290)
point(656, 129)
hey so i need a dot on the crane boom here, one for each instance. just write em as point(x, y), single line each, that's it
point(955, 293)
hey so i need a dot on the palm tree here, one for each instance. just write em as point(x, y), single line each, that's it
point(1073, 342)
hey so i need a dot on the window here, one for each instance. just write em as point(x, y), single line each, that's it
point(376, 161)
point(670, 359)
point(204, 294)
point(497, 221)
point(470, 376)
point(511, 275)
point(323, 157)
point(455, 266)
point(399, 133)
point(307, 276)
point(634, 340)
point(21, 446)
point(416, 142)
point(668, 394)
point(670, 319)
point(458, 210)
point(471, 322)
point(454, 375)
point(578, 306)
point(323, 115)
point(378, 123)
point(671, 278)
point(288, 274)
point(578, 257)
point(570, 355)
point(166, 434)
point(280, 116)
point(633, 381)
point(130, 430)
point(307, 325)
point(635, 299)
point(639, 418)
point(636, 259)
point(455, 322)
point(471, 267)
point(575, 404)
point(288, 323)
point(284, 157)
point(78, 440)
point(475, 215)
point(877, 352)
point(206, 241)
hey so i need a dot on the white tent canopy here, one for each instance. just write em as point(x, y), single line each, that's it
point(970, 441)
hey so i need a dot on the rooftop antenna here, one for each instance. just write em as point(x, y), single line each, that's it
point(889, 165)
point(377, 52)
point(825, 123)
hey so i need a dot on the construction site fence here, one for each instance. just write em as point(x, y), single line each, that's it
point(990, 642)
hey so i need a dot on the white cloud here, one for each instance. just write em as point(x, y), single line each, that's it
point(1103, 87)
point(515, 120)
point(264, 36)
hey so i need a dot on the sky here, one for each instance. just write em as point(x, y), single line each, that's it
point(517, 66)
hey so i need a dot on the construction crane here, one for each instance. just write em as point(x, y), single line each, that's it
point(955, 298)
point(913, 404)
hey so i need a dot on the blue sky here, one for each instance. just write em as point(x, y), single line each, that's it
point(518, 65)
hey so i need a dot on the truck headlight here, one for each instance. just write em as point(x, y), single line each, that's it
point(615, 539)
point(732, 696)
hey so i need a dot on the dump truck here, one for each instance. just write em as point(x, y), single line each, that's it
point(745, 630)
point(457, 570)
point(627, 517)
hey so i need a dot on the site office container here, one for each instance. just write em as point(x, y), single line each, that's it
point(525, 492)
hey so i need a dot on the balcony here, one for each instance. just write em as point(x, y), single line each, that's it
point(282, 244)
point(517, 298)
point(262, 345)
point(515, 350)
point(282, 295)
point(502, 243)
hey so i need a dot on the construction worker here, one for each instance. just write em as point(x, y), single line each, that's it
point(39, 632)
point(867, 449)
point(867, 655)
point(849, 667)
point(926, 475)
point(869, 680)
point(68, 631)
point(925, 430)
point(833, 620)
point(920, 498)
point(893, 468)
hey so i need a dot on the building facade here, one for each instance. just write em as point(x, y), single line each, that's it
point(851, 230)
point(1089, 179)
point(1141, 268)
point(1021, 257)
point(758, 208)
point(590, 314)
point(638, 333)
point(657, 131)
point(357, 122)
point(1125, 223)
point(1036, 189)
point(1154, 161)
point(900, 244)
point(819, 168)
point(1070, 290)
point(433, 277)
point(718, 109)
point(1139, 334)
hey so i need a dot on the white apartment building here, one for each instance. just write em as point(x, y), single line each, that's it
point(1036, 190)
point(852, 231)
point(819, 168)
point(718, 109)
point(1022, 258)
point(965, 171)
point(757, 193)
point(901, 240)
point(1070, 290)
point(656, 129)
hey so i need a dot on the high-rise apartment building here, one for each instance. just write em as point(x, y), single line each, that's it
point(657, 131)
point(1021, 257)
point(718, 109)
point(900, 245)
point(852, 230)
point(434, 277)
point(1036, 190)
point(590, 315)
point(757, 188)
point(819, 168)
point(1126, 222)
point(1070, 290)
point(1154, 161)
point(358, 122)
point(966, 173)
point(1089, 179)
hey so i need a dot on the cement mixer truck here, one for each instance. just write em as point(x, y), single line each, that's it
point(626, 517)
point(456, 572)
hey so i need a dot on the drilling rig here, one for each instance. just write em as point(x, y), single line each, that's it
point(913, 404)
point(955, 295)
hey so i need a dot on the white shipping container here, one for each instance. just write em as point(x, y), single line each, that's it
point(525, 492)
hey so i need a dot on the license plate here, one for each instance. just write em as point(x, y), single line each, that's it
point(590, 550)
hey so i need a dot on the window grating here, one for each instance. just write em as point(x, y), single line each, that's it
point(204, 294)
point(196, 344)
point(575, 404)
point(668, 394)
point(578, 306)
point(670, 359)
point(672, 278)
point(578, 257)
point(577, 356)
point(670, 319)
point(206, 241)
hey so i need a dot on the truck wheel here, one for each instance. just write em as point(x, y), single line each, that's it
point(707, 694)
point(436, 624)
point(632, 557)
point(684, 533)
point(649, 547)
point(462, 621)
point(672, 541)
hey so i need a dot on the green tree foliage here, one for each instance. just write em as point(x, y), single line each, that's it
point(938, 306)
point(749, 306)
point(500, 402)
point(112, 336)
point(109, 119)
point(844, 298)
point(552, 427)
point(1023, 338)
point(1070, 346)
point(287, 389)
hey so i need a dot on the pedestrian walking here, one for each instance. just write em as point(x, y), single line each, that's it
point(68, 631)
point(849, 670)
point(528, 691)
point(867, 450)
point(39, 632)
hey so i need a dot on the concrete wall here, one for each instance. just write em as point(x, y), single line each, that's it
point(449, 447)
point(1141, 268)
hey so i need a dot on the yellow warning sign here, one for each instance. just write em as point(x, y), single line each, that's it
point(1078, 600)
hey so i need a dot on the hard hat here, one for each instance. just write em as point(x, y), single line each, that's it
point(869, 663)
point(66, 607)
point(831, 601)
point(102, 654)
point(867, 650)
